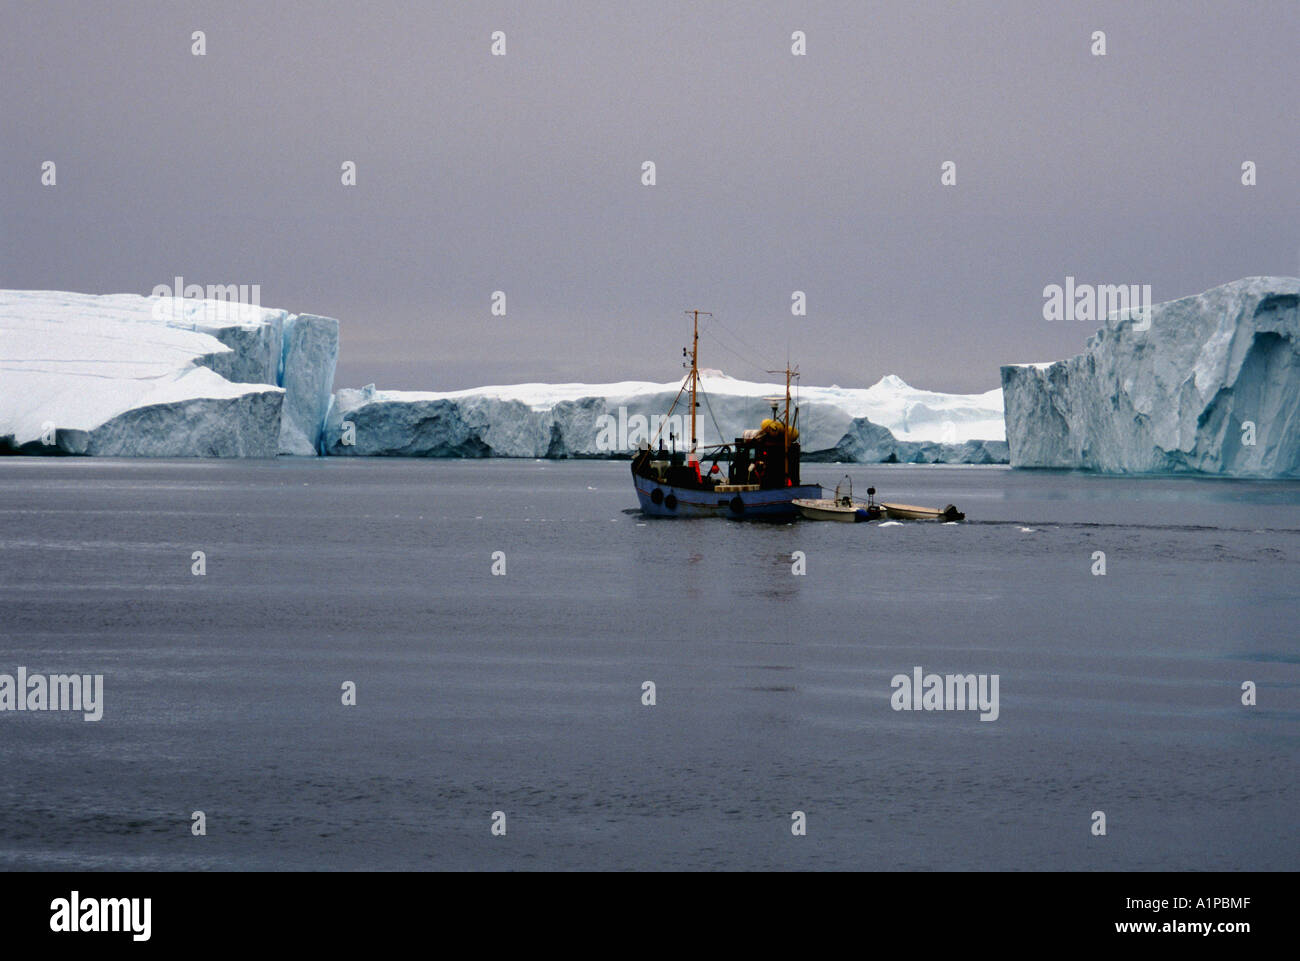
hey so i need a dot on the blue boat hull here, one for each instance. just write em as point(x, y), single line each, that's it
point(683, 502)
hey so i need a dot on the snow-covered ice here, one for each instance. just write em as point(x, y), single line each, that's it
point(888, 421)
point(126, 375)
point(1212, 386)
point(907, 412)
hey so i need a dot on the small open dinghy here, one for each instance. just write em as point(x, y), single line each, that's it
point(909, 512)
point(842, 507)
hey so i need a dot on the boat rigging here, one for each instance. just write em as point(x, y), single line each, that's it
point(763, 473)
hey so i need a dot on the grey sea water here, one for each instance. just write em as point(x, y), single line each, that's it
point(523, 693)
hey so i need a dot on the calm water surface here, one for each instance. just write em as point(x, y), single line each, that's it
point(522, 693)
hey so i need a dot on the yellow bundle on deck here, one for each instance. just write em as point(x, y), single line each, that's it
point(770, 426)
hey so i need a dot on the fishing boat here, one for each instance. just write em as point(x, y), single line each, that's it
point(762, 474)
point(909, 512)
point(842, 507)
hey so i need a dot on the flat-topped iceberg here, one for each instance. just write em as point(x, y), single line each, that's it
point(888, 421)
point(1208, 384)
point(125, 375)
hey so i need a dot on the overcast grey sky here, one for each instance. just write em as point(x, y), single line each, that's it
point(775, 173)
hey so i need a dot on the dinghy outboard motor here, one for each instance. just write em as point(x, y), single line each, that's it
point(950, 513)
point(874, 512)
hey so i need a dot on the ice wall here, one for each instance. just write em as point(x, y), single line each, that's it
point(310, 350)
point(603, 420)
point(1212, 386)
point(126, 375)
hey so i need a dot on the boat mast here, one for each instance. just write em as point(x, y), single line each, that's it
point(695, 369)
point(789, 372)
point(787, 401)
point(786, 433)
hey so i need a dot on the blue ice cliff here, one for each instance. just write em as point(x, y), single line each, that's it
point(1211, 385)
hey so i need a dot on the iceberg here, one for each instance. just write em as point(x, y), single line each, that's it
point(124, 375)
point(890, 421)
point(1206, 384)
